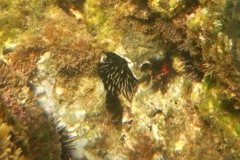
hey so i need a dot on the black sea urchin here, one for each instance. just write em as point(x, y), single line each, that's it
point(161, 71)
point(65, 139)
point(116, 75)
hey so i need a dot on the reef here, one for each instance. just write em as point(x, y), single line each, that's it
point(166, 87)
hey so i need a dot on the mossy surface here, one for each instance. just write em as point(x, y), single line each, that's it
point(50, 52)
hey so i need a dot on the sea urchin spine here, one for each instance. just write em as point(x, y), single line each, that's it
point(116, 75)
point(65, 139)
point(190, 68)
point(160, 70)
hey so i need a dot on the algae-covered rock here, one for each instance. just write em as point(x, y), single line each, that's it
point(167, 9)
point(9, 147)
point(183, 56)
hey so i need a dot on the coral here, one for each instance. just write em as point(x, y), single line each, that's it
point(30, 141)
point(100, 19)
point(74, 62)
point(13, 86)
point(55, 37)
point(138, 9)
point(143, 149)
point(158, 32)
point(148, 37)
point(8, 77)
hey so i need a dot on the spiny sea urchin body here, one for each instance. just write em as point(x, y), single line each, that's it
point(116, 75)
point(65, 139)
point(161, 71)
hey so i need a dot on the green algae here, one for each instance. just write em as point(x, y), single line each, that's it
point(100, 21)
point(18, 18)
point(215, 108)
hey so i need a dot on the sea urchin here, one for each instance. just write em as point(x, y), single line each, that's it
point(65, 139)
point(160, 70)
point(116, 75)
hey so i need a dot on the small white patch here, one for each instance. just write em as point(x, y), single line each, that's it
point(80, 115)
point(80, 152)
point(103, 59)
point(44, 57)
point(180, 144)
point(39, 90)
point(59, 90)
point(62, 111)
point(71, 129)
point(47, 104)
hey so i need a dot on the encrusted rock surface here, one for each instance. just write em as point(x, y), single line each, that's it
point(187, 105)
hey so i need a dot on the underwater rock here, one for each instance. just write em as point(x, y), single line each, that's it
point(55, 67)
point(8, 146)
point(167, 9)
point(24, 60)
point(31, 125)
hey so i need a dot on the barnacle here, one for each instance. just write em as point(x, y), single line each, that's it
point(116, 75)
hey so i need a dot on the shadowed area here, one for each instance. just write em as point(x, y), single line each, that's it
point(114, 106)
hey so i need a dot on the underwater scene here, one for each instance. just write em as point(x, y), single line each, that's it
point(119, 79)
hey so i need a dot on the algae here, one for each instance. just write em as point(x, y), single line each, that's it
point(50, 52)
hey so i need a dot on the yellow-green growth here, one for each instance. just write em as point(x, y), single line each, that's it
point(100, 21)
point(8, 149)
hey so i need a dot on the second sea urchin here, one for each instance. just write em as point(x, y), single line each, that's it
point(160, 70)
point(65, 139)
point(116, 75)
